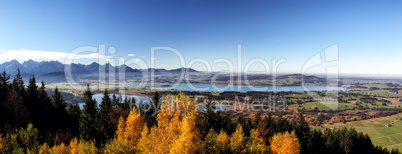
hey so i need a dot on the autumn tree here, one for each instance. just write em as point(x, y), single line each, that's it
point(133, 127)
point(187, 142)
point(285, 143)
point(222, 142)
point(81, 146)
point(177, 115)
point(209, 143)
point(237, 141)
point(255, 144)
point(128, 134)
point(29, 137)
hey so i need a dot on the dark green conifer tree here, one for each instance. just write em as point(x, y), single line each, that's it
point(18, 84)
point(88, 125)
point(152, 109)
point(74, 113)
point(105, 127)
point(60, 112)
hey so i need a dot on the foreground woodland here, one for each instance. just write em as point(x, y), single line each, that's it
point(33, 122)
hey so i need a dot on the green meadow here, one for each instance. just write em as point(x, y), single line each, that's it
point(390, 137)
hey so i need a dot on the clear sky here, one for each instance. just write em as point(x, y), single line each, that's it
point(368, 33)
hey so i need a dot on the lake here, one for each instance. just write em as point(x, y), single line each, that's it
point(138, 99)
point(219, 88)
point(238, 88)
point(98, 98)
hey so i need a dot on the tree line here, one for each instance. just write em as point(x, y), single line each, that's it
point(33, 122)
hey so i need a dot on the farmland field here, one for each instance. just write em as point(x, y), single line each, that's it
point(390, 137)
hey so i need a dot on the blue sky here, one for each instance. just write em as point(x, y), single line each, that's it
point(368, 33)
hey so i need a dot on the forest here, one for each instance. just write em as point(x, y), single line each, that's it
point(33, 122)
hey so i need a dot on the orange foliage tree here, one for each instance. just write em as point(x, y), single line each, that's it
point(128, 134)
point(285, 143)
point(255, 143)
point(237, 140)
point(176, 131)
point(1, 142)
point(222, 142)
point(187, 141)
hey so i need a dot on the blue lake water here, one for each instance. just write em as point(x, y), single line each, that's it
point(98, 98)
point(217, 107)
point(219, 88)
point(239, 88)
point(138, 99)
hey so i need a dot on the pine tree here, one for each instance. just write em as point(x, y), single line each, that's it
point(114, 100)
point(4, 86)
point(257, 119)
point(60, 112)
point(33, 104)
point(58, 101)
point(303, 132)
point(152, 112)
point(88, 126)
point(32, 89)
point(210, 119)
point(74, 113)
point(227, 124)
point(105, 127)
point(5, 112)
point(18, 84)
point(46, 111)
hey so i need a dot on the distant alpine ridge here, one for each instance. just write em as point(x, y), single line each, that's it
point(55, 67)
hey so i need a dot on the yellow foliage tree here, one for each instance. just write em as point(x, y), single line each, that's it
point(44, 149)
point(116, 146)
point(187, 141)
point(222, 142)
point(145, 141)
point(121, 129)
point(62, 148)
point(128, 134)
point(133, 127)
point(90, 148)
point(158, 141)
point(1, 142)
point(76, 147)
point(237, 140)
point(285, 143)
point(171, 118)
point(209, 143)
point(255, 144)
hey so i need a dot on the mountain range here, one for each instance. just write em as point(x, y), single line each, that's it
point(55, 67)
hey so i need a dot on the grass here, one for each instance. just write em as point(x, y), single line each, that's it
point(324, 105)
point(390, 137)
